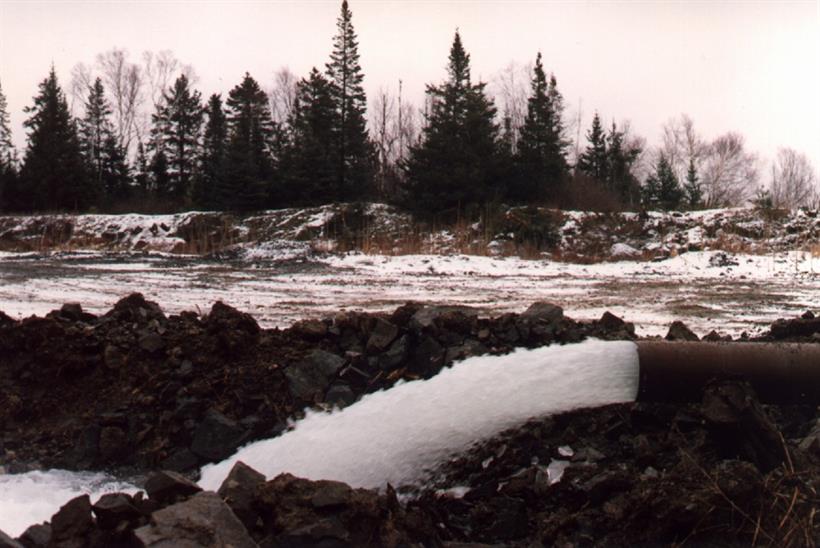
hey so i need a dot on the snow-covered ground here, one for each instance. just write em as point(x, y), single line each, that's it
point(707, 290)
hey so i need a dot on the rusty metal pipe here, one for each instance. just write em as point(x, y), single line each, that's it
point(784, 373)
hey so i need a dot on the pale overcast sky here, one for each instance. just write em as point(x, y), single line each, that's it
point(752, 67)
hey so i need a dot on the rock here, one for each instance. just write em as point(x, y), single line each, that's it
point(807, 315)
point(623, 251)
point(36, 536)
point(611, 321)
point(798, 327)
point(396, 355)
point(113, 357)
point(235, 330)
point(151, 342)
point(740, 426)
point(381, 337)
point(113, 444)
point(167, 486)
point(313, 374)
point(217, 436)
point(340, 395)
point(181, 460)
point(72, 522)
point(203, 520)
point(134, 308)
point(811, 443)
point(426, 316)
point(312, 330)
point(428, 356)
point(239, 490)
point(113, 509)
point(8, 542)
point(73, 312)
point(722, 259)
point(605, 484)
point(543, 311)
point(678, 331)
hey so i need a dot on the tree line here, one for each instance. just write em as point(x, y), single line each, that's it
point(310, 142)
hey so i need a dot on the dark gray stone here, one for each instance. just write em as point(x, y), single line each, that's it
point(313, 374)
point(181, 460)
point(168, 486)
point(426, 316)
point(396, 355)
point(381, 337)
point(678, 331)
point(239, 490)
point(340, 395)
point(217, 436)
point(73, 520)
point(113, 509)
point(204, 520)
point(544, 312)
point(151, 343)
point(36, 536)
point(8, 542)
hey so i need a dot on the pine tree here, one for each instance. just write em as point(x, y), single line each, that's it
point(142, 171)
point(692, 190)
point(541, 158)
point(176, 133)
point(355, 153)
point(620, 159)
point(662, 188)
point(106, 160)
point(308, 165)
point(8, 160)
point(249, 168)
point(457, 162)
point(211, 180)
point(160, 176)
point(53, 174)
point(594, 160)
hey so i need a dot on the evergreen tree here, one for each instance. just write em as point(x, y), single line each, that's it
point(620, 159)
point(249, 167)
point(8, 160)
point(142, 171)
point(211, 181)
point(692, 191)
point(104, 156)
point(176, 133)
point(662, 188)
point(355, 153)
point(541, 158)
point(594, 160)
point(160, 176)
point(53, 174)
point(308, 164)
point(456, 164)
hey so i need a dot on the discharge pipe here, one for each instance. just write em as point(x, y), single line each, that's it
point(782, 373)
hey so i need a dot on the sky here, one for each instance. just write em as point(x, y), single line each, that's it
point(750, 67)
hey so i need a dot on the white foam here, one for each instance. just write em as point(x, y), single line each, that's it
point(33, 497)
point(399, 435)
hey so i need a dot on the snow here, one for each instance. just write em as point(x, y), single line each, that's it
point(398, 436)
point(623, 251)
point(33, 497)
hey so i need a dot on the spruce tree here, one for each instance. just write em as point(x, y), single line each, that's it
point(594, 161)
point(355, 153)
point(8, 160)
point(662, 188)
point(308, 164)
point(53, 174)
point(620, 158)
point(541, 158)
point(210, 181)
point(176, 133)
point(142, 171)
point(105, 158)
point(249, 168)
point(456, 163)
point(692, 190)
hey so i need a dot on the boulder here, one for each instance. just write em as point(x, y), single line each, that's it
point(167, 486)
point(678, 331)
point(217, 436)
point(36, 536)
point(798, 327)
point(545, 312)
point(72, 522)
point(396, 354)
point(313, 374)
point(427, 316)
point(113, 509)
point(151, 342)
point(234, 330)
point(203, 520)
point(8, 542)
point(239, 490)
point(340, 395)
point(381, 337)
point(135, 309)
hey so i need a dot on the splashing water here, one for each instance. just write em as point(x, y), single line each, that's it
point(397, 436)
point(33, 497)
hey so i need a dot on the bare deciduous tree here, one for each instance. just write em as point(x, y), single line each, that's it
point(729, 173)
point(682, 144)
point(124, 84)
point(81, 79)
point(283, 95)
point(161, 69)
point(793, 181)
point(511, 89)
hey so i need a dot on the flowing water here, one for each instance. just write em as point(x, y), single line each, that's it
point(396, 436)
